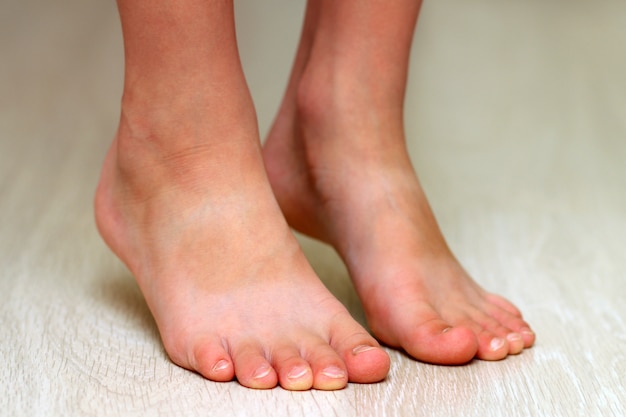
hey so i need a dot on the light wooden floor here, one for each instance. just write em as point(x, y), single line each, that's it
point(516, 122)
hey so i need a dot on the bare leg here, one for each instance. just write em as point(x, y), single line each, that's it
point(339, 167)
point(184, 201)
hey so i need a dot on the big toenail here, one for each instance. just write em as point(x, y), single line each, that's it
point(362, 349)
point(334, 372)
point(262, 372)
point(221, 365)
point(496, 343)
point(298, 372)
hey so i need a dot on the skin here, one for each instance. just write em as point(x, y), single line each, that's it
point(201, 215)
point(185, 202)
point(338, 164)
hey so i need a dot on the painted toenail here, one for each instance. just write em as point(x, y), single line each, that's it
point(262, 372)
point(221, 365)
point(497, 343)
point(334, 372)
point(297, 373)
point(362, 349)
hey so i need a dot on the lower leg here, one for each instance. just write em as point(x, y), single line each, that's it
point(184, 201)
point(342, 119)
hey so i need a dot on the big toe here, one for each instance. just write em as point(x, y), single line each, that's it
point(437, 342)
point(365, 360)
point(206, 356)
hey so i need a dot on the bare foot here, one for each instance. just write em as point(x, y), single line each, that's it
point(341, 174)
point(232, 294)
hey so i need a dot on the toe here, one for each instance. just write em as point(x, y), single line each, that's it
point(436, 341)
point(493, 337)
point(294, 373)
point(365, 360)
point(516, 343)
point(213, 362)
point(331, 377)
point(491, 347)
point(329, 370)
point(504, 304)
point(514, 322)
point(252, 369)
point(528, 336)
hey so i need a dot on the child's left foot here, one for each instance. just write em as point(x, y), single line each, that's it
point(348, 181)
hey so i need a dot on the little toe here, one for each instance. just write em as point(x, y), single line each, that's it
point(252, 369)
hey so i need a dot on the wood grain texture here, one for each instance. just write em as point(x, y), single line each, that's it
point(515, 119)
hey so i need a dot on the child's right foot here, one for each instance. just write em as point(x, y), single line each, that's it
point(195, 221)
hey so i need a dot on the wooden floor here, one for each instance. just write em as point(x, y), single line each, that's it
point(516, 117)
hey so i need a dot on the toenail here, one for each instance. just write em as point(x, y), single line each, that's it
point(527, 332)
point(334, 372)
point(497, 343)
point(362, 349)
point(514, 337)
point(262, 372)
point(297, 373)
point(221, 365)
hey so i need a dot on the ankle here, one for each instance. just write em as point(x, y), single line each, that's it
point(345, 125)
point(322, 96)
point(169, 108)
point(185, 125)
point(344, 98)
